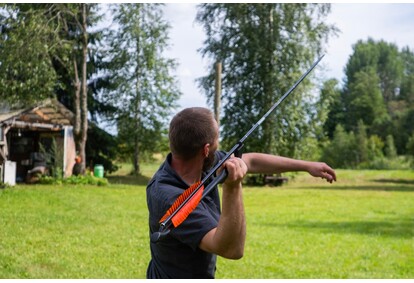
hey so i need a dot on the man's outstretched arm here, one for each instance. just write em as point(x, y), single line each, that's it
point(273, 164)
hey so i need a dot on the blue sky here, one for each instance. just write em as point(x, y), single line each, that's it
point(393, 23)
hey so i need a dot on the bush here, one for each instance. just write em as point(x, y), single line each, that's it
point(383, 163)
point(4, 186)
point(342, 151)
point(74, 180)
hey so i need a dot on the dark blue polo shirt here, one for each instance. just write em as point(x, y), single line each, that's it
point(178, 254)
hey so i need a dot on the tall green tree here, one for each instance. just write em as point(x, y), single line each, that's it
point(145, 92)
point(377, 67)
point(331, 100)
point(72, 22)
point(341, 151)
point(379, 90)
point(263, 49)
point(381, 57)
point(27, 46)
point(403, 118)
point(365, 101)
point(44, 52)
point(410, 147)
point(361, 142)
point(390, 150)
point(406, 91)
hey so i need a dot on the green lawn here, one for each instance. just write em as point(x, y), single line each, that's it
point(360, 227)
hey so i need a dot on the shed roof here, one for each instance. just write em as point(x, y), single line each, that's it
point(47, 112)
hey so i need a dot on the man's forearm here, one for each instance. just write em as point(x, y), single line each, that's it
point(228, 238)
point(231, 229)
point(270, 164)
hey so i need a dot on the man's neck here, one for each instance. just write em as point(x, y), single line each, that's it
point(189, 170)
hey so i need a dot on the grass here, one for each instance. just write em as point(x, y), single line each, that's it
point(77, 232)
point(360, 227)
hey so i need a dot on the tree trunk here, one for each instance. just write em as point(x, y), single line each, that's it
point(136, 156)
point(137, 112)
point(217, 96)
point(84, 95)
point(77, 122)
point(77, 109)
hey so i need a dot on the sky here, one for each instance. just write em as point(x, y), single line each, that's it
point(393, 23)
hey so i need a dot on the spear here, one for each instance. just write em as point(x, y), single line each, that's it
point(189, 200)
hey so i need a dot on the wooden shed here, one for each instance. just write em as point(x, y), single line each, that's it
point(28, 135)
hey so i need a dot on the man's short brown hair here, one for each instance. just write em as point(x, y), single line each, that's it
point(190, 130)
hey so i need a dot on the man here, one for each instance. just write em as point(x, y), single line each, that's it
point(189, 251)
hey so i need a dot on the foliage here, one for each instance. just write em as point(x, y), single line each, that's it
point(26, 49)
point(86, 179)
point(410, 147)
point(5, 186)
point(386, 163)
point(341, 151)
point(263, 49)
point(375, 147)
point(365, 101)
point(403, 128)
point(105, 155)
point(379, 91)
point(349, 150)
point(390, 150)
point(143, 90)
point(331, 100)
point(42, 55)
point(380, 57)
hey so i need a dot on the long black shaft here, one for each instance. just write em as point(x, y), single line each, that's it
point(166, 225)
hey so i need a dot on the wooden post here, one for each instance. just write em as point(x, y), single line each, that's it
point(217, 96)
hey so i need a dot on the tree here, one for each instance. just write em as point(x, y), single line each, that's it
point(26, 49)
point(410, 146)
point(365, 102)
point(80, 17)
point(263, 49)
point(404, 129)
point(385, 70)
point(331, 100)
point(390, 150)
point(143, 92)
point(375, 149)
point(381, 58)
point(50, 55)
point(406, 91)
point(341, 151)
point(361, 143)
point(72, 22)
point(379, 90)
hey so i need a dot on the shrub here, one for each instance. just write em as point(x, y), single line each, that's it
point(75, 180)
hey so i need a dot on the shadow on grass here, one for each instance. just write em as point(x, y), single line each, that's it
point(398, 228)
point(395, 181)
point(391, 188)
point(139, 180)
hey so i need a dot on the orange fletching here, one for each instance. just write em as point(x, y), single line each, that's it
point(187, 208)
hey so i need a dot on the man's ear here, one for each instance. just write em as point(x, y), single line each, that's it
point(206, 150)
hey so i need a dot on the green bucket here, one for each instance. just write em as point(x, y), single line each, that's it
point(98, 171)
